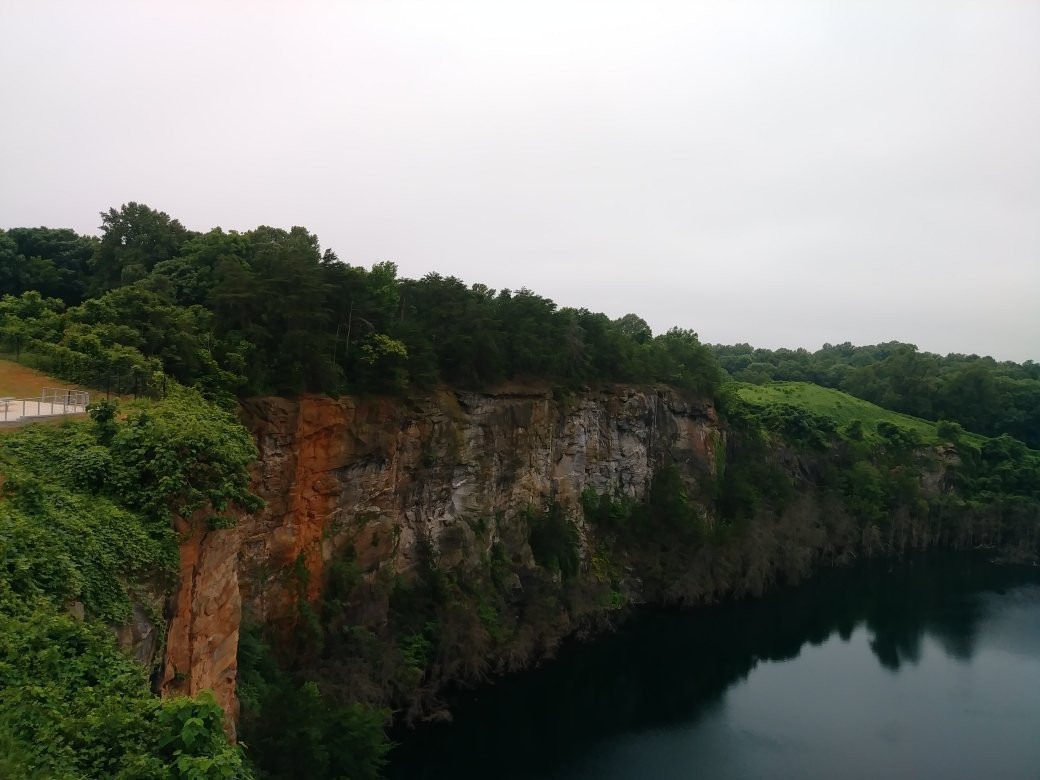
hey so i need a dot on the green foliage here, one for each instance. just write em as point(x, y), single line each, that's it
point(898, 436)
point(1000, 468)
point(864, 490)
point(73, 706)
point(853, 430)
point(103, 413)
point(191, 735)
point(855, 418)
point(85, 518)
point(553, 539)
point(874, 463)
point(605, 510)
point(173, 457)
point(417, 648)
point(682, 361)
point(797, 425)
point(385, 362)
point(51, 261)
point(753, 481)
point(181, 456)
point(292, 730)
point(60, 536)
point(668, 512)
point(981, 394)
point(267, 311)
point(949, 431)
point(134, 238)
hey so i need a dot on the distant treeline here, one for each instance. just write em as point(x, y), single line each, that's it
point(266, 311)
point(980, 393)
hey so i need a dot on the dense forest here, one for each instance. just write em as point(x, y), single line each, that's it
point(266, 311)
point(194, 322)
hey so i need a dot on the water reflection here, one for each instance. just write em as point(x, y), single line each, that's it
point(668, 670)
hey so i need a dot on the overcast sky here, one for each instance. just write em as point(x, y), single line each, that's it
point(781, 173)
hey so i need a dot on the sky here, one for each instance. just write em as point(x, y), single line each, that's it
point(781, 173)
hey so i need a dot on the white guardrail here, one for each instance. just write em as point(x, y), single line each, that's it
point(53, 402)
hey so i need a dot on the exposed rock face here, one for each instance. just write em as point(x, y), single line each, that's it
point(139, 638)
point(445, 480)
point(202, 638)
point(384, 476)
point(935, 464)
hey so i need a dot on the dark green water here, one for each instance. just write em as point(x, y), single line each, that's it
point(924, 669)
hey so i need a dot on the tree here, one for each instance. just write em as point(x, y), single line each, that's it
point(970, 396)
point(12, 267)
point(56, 262)
point(137, 317)
point(133, 239)
point(678, 357)
point(533, 332)
point(190, 278)
point(456, 323)
point(384, 363)
point(634, 327)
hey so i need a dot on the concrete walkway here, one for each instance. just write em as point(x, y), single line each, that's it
point(17, 410)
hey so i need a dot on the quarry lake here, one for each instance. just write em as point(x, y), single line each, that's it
point(925, 668)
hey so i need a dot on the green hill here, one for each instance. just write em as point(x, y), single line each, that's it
point(842, 408)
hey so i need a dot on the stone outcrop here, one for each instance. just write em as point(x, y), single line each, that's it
point(384, 476)
point(442, 486)
point(205, 615)
point(389, 477)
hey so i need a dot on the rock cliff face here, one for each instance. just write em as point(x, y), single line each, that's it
point(206, 612)
point(382, 476)
point(389, 478)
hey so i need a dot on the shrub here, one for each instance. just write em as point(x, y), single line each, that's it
point(553, 539)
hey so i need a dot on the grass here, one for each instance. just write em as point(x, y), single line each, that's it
point(841, 407)
point(18, 381)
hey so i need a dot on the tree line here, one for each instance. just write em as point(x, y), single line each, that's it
point(267, 311)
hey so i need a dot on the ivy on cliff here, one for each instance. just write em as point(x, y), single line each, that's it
point(76, 537)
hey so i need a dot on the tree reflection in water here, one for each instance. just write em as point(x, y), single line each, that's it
point(665, 667)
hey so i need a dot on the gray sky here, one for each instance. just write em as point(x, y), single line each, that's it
point(781, 173)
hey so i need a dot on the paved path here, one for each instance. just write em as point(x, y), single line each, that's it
point(24, 409)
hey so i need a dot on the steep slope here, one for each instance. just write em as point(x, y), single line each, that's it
point(385, 478)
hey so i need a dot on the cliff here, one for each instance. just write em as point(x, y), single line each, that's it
point(407, 544)
point(388, 480)
point(380, 476)
point(205, 616)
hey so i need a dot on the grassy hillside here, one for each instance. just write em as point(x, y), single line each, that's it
point(842, 408)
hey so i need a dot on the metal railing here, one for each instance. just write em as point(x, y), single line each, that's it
point(53, 402)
